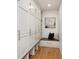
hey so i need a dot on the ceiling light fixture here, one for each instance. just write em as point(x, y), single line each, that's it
point(49, 5)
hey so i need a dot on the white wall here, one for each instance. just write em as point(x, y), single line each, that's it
point(60, 27)
point(45, 32)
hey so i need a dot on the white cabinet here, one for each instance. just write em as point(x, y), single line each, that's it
point(22, 46)
point(24, 4)
point(28, 26)
point(32, 8)
point(26, 57)
point(23, 22)
point(23, 32)
point(39, 13)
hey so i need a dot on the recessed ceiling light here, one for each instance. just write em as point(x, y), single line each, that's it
point(49, 5)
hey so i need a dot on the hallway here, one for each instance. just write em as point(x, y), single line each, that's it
point(38, 24)
point(47, 53)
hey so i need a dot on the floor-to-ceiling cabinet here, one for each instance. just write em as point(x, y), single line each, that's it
point(29, 26)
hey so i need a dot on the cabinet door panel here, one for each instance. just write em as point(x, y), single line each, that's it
point(32, 27)
point(24, 4)
point(23, 22)
point(23, 45)
point(23, 27)
point(32, 8)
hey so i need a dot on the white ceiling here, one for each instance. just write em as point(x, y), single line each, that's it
point(44, 4)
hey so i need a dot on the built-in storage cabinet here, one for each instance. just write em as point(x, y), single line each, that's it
point(31, 7)
point(23, 17)
point(24, 4)
point(23, 46)
point(29, 26)
point(23, 32)
point(38, 13)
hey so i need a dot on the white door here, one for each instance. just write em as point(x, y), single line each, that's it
point(23, 45)
point(23, 19)
point(23, 32)
point(31, 29)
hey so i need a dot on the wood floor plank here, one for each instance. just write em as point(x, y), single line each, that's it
point(47, 53)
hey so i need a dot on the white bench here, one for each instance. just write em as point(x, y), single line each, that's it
point(49, 43)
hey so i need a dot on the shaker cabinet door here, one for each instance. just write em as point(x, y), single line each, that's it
point(24, 4)
point(23, 45)
point(23, 32)
point(23, 22)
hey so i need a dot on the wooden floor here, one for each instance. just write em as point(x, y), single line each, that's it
point(47, 53)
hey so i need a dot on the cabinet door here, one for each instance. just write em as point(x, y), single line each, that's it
point(23, 20)
point(22, 47)
point(32, 8)
point(23, 33)
point(24, 4)
point(39, 13)
point(32, 27)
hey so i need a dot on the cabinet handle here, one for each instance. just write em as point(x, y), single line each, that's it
point(30, 6)
point(18, 34)
point(29, 32)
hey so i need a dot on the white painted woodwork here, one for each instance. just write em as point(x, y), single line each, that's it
point(37, 47)
point(32, 52)
point(23, 47)
point(26, 57)
point(24, 4)
point(60, 27)
point(23, 17)
point(29, 25)
point(54, 44)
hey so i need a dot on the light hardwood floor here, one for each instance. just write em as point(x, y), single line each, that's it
point(47, 53)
